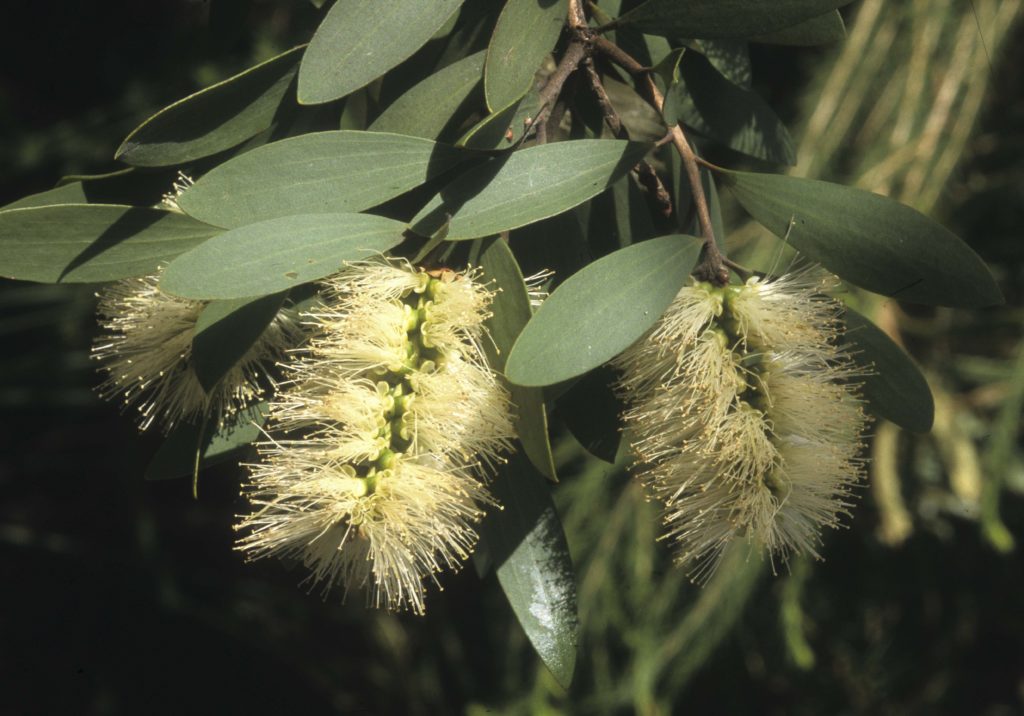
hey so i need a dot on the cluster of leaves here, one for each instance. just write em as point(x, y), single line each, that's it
point(513, 136)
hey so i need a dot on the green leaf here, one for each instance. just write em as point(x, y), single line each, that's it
point(591, 410)
point(730, 57)
point(822, 30)
point(526, 542)
point(277, 254)
point(526, 186)
point(526, 32)
point(177, 455)
point(214, 119)
point(71, 193)
point(510, 311)
point(893, 387)
point(504, 128)
point(126, 186)
point(723, 18)
point(84, 243)
point(321, 172)
point(225, 331)
point(618, 217)
point(869, 240)
point(707, 180)
point(359, 40)
point(641, 120)
point(738, 118)
point(434, 107)
point(601, 310)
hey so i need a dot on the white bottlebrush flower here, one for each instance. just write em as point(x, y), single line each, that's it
point(743, 416)
point(146, 351)
point(370, 472)
point(169, 201)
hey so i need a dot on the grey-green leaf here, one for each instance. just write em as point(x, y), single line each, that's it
point(214, 119)
point(359, 40)
point(84, 243)
point(601, 310)
point(225, 331)
point(525, 33)
point(510, 311)
point(869, 240)
point(503, 129)
point(591, 410)
point(893, 386)
point(431, 108)
point(723, 18)
point(738, 118)
point(526, 542)
point(70, 193)
point(822, 30)
point(278, 254)
point(320, 172)
point(730, 57)
point(177, 455)
point(526, 186)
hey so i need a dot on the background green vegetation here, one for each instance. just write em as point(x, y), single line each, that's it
point(125, 597)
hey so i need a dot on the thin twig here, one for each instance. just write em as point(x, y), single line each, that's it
point(650, 181)
point(646, 175)
point(577, 17)
point(712, 266)
point(574, 54)
point(611, 117)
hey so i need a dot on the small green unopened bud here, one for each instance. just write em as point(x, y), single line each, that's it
point(412, 318)
point(386, 459)
point(433, 288)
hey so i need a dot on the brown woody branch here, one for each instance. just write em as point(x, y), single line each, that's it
point(712, 266)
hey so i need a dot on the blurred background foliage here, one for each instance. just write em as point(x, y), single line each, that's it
point(125, 597)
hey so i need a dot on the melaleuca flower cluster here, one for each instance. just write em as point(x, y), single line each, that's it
point(743, 417)
point(146, 351)
point(390, 417)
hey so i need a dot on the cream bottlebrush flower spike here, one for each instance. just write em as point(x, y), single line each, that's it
point(146, 350)
point(390, 416)
point(743, 417)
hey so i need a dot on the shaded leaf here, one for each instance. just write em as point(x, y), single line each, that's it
point(526, 542)
point(125, 186)
point(510, 311)
point(176, 457)
point(71, 193)
point(277, 254)
point(214, 119)
point(601, 310)
point(723, 18)
point(359, 40)
point(707, 180)
point(730, 57)
point(430, 108)
point(225, 331)
point(503, 129)
point(322, 172)
point(526, 186)
point(555, 244)
point(82, 243)
point(822, 30)
point(893, 387)
point(867, 239)
point(617, 217)
point(591, 410)
point(738, 118)
point(526, 32)
point(640, 119)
